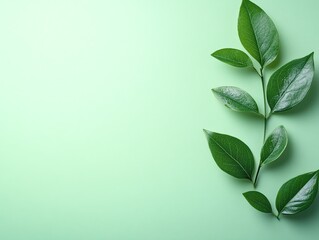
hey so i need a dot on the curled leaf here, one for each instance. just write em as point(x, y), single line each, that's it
point(274, 145)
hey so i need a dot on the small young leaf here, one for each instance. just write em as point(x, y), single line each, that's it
point(259, 201)
point(297, 194)
point(234, 57)
point(236, 99)
point(289, 84)
point(258, 33)
point(274, 146)
point(231, 155)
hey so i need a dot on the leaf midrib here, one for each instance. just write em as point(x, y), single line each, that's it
point(297, 193)
point(261, 203)
point(283, 93)
point(231, 157)
point(241, 63)
point(251, 109)
point(275, 145)
point(257, 42)
point(271, 151)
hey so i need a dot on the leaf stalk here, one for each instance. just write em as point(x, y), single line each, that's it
point(276, 215)
point(255, 181)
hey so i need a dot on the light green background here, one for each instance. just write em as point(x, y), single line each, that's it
point(102, 107)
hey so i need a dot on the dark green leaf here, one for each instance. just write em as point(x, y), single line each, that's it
point(297, 194)
point(234, 57)
point(289, 84)
point(274, 146)
point(236, 99)
point(258, 201)
point(258, 33)
point(231, 155)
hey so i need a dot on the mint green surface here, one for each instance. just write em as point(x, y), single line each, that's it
point(102, 108)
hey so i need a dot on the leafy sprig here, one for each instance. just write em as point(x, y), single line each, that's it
point(286, 88)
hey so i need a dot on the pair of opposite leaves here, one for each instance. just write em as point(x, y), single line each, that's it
point(286, 88)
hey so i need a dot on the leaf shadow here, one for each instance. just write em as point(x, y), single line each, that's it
point(242, 116)
point(242, 185)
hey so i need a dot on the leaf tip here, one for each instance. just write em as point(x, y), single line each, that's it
point(283, 128)
point(207, 132)
point(311, 55)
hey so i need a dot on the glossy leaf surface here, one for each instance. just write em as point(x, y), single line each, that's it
point(297, 194)
point(289, 84)
point(274, 145)
point(231, 155)
point(234, 57)
point(236, 99)
point(259, 201)
point(257, 33)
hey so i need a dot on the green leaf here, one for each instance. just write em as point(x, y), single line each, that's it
point(259, 201)
point(231, 155)
point(236, 99)
point(258, 33)
point(289, 84)
point(234, 57)
point(297, 194)
point(274, 146)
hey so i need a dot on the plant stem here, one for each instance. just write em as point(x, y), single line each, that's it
point(277, 216)
point(255, 181)
point(265, 107)
point(265, 119)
